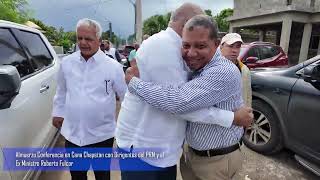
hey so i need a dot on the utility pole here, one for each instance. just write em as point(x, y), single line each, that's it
point(110, 31)
point(137, 19)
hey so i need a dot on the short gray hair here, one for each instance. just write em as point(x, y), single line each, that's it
point(203, 21)
point(90, 23)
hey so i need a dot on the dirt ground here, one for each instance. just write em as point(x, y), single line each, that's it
point(282, 166)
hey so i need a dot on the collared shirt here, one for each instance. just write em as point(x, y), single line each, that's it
point(217, 84)
point(85, 97)
point(143, 126)
point(111, 52)
point(132, 55)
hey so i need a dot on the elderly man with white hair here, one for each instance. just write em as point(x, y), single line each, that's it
point(85, 101)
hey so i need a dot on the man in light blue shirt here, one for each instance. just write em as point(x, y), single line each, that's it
point(213, 149)
point(132, 55)
point(143, 126)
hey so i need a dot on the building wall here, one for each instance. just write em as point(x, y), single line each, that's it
point(317, 6)
point(301, 3)
point(259, 14)
point(247, 8)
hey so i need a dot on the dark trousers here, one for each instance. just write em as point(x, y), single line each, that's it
point(144, 171)
point(99, 175)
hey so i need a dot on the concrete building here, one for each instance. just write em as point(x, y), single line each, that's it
point(296, 24)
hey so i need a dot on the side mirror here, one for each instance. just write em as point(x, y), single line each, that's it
point(251, 60)
point(10, 84)
point(311, 74)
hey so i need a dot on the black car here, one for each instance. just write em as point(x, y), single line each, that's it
point(286, 105)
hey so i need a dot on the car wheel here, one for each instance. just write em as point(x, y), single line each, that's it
point(264, 135)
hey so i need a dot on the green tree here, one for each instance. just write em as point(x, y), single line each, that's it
point(156, 23)
point(57, 37)
point(221, 19)
point(131, 38)
point(208, 12)
point(13, 10)
point(49, 31)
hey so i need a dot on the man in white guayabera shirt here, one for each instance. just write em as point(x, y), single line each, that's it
point(142, 126)
point(85, 103)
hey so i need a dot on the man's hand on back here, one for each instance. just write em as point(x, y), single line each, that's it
point(57, 122)
point(131, 72)
point(243, 117)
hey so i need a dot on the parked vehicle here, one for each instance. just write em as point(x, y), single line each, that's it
point(286, 103)
point(263, 54)
point(28, 67)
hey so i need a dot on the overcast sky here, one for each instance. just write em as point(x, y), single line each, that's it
point(66, 13)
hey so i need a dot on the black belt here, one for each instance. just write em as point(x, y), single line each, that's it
point(215, 152)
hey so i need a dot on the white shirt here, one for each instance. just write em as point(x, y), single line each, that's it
point(139, 124)
point(85, 97)
point(112, 52)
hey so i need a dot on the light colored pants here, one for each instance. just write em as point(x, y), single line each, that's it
point(221, 167)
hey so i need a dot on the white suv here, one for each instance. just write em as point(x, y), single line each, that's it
point(28, 66)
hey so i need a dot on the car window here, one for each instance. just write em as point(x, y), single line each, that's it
point(253, 52)
point(265, 52)
point(12, 54)
point(276, 50)
point(269, 51)
point(38, 51)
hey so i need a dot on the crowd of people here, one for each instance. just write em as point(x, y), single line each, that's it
point(185, 93)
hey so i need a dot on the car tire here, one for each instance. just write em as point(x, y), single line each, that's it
point(264, 135)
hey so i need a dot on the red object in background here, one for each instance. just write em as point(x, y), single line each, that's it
point(263, 54)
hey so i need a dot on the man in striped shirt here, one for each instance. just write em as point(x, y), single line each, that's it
point(213, 151)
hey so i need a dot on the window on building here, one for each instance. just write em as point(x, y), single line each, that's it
point(289, 2)
point(12, 54)
point(314, 43)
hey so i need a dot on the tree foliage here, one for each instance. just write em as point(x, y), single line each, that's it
point(221, 19)
point(156, 23)
point(57, 37)
point(208, 12)
point(16, 11)
point(13, 10)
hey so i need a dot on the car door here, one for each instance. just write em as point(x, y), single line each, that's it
point(43, 87)
point(27, 122)
point(303, 116)
point(14, 120)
